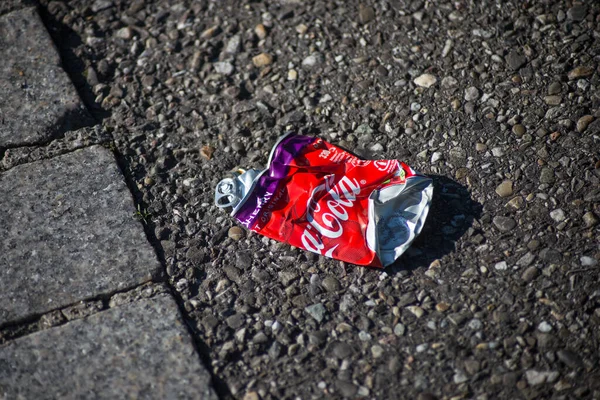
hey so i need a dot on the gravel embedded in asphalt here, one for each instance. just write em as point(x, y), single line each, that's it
point(192, 91)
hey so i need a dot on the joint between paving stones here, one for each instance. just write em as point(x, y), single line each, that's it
point(81, 309)
point(219, 385)
point(71, 141)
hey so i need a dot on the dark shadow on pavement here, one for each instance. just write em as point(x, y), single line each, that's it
point(71, 121)
point(66, 40)
point(451, 215)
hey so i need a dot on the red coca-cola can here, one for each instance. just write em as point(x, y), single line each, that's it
point(323, 199)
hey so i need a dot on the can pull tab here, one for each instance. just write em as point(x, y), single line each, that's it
point(230, 192)
point(226, 193)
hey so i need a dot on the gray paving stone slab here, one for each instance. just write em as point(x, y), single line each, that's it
point(7, 6)
point(37, 99)
point(139, 350)
point(68, 233)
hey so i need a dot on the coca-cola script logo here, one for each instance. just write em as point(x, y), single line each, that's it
point(384, 165)
point(328, 222)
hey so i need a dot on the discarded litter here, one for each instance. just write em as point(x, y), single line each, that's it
point(321, 198)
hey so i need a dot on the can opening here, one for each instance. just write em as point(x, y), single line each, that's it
point(232, 192)
point(226, 193)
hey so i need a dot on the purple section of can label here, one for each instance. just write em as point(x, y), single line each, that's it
point(269, 182)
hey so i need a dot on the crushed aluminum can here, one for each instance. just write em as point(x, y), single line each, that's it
point(321, 198)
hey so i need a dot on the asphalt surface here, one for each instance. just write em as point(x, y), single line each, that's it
point(498, 101)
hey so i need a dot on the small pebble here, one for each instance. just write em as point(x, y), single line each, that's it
point(377, 351)
point(207, 151)
point(519, 130)
point(525, 260)
point(292, 75)
point(577, 13)
point(587, 261)
point(399, 330)
point(516, 203)
point(471, 93)
point(562, 385)
point(552, 100)
point(251, 396)
point(535, 378)
point(436, 156)
point(553, 113)
point(422, 347)
point(377, 147)
point(558, 215)
point(312, 60)
point(301, 29)
point(260, 31)
point(235, 233)
point(342, 350)
point(554, 88)
point(416, 310)
point(317, 311)
point(276, 326)
point(365, 14)
point(570, 358)
point(346, 389)
point(475, 324)
point(505, 189)
point(260, 337)
point(262, 60)
point(547, 175)
point(331, 284)
point(497, 152)
point(382, 71)
point(580, 72)
point(583, 122)
point(234, 45)
point(544, 327)
point(501, 266)
point(470, 108)
point(223, 68)
point(515, 60)
point(589, 219)
point(449, 82)
point(210, 32)
point(425, 80)
point(504, 224)
point(530, 274)
point(460, 377)
point(124, 33)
